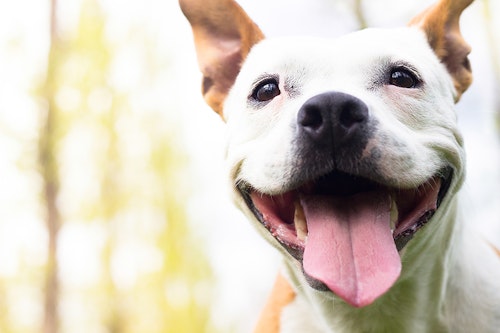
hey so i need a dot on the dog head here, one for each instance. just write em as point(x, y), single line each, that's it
point(339, 150)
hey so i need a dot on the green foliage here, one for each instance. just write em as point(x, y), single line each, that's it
point(128, 259)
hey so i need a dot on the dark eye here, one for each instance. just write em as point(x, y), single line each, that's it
point(402, 77)
point(266, 91)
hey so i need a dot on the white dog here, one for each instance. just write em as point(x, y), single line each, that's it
point(345, 154)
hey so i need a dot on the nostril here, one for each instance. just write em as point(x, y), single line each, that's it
point(311, 118)
point(352, 114)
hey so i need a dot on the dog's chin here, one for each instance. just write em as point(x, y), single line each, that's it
point(302, 218)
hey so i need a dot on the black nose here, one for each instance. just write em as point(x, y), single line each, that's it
point(333, 119)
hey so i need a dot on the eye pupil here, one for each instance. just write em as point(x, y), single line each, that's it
point(266, 91)
point(403, 78)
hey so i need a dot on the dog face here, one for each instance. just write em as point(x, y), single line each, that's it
point(340, 151)
point(346, 132)
point(394, 127)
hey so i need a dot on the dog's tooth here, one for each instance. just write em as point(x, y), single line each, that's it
point(394, 214)
point(300, 221)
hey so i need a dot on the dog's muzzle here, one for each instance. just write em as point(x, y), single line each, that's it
point(333, 130)
point(346, 231)
point(344, 227)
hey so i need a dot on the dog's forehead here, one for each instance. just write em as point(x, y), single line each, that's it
point(356, 50)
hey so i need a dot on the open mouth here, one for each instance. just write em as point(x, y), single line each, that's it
point(347, 230)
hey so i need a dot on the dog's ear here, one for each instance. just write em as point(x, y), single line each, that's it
point(223, 36)
point(440, 23)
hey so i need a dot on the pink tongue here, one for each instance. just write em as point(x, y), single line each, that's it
point(350, 247)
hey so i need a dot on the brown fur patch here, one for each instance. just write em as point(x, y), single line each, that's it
point(223, 35)
point(282, 294)
point(440, 23)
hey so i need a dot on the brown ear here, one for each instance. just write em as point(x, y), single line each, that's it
point(223, 36)
point(440, 23)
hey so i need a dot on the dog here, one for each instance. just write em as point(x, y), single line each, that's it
point(345, 155)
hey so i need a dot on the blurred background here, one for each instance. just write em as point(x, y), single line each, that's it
point(114, 207)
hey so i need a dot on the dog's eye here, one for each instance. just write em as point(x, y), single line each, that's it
point(403, 78)
point(266, 91)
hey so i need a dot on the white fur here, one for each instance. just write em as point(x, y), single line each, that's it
point(451, 279)
point(261, 139)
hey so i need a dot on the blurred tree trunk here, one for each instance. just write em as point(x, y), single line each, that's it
point(50, 183)
point(359, 13)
